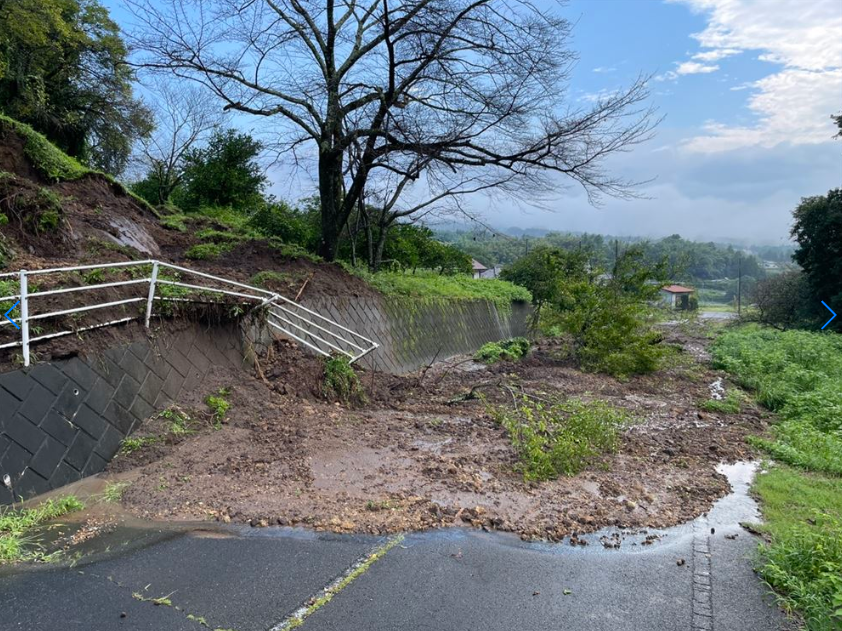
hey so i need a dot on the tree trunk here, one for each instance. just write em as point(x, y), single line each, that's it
point(330, 194)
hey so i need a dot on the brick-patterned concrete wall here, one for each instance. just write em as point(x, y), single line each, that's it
point(412, 333)
point(64, 420)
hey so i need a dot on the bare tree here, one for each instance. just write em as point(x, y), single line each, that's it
point(461, 92)
point(183, 117)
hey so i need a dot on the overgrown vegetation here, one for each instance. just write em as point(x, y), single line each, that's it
point(799, 375)
point(341, 381)
point(561, 438)
point(425, 285)
point(17, 541)
point(803, 516)
point(507, 350)
point(606, 318)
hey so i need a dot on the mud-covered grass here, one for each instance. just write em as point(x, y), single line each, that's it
point(425, 451)
point(17, 537)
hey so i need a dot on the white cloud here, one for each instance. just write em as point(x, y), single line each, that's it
point(604, 69)
point(694, 67)
point(793, 104)
point(716, 54)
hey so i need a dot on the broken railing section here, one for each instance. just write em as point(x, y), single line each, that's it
point(289, 318)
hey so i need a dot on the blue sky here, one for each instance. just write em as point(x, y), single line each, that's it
point(747, 88)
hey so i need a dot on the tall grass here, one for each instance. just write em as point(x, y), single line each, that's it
point(799, 375)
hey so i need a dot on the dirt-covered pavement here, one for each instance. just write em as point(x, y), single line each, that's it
point(419, 455)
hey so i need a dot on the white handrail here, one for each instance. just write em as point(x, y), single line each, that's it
point(286, 308)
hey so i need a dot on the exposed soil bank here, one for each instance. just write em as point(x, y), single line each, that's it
point(409, 460)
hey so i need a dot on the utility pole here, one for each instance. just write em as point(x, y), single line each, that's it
point(739, 282)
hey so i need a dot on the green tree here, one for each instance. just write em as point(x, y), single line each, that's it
point(63, 70)
point(818, 230)
point(604, 317)
point(223, 173)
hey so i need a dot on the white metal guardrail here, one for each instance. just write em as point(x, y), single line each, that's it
point(286, 316)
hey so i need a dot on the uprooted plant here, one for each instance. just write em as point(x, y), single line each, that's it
point(554, 438)
point(341, 382)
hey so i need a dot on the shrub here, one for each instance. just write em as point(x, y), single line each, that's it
point(340, 380)
point(508, 350)
point(553, 439)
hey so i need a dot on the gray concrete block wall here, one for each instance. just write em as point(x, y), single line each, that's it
point(64, 420)
point(411, 333)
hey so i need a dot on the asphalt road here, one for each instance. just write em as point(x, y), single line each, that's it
point(244, 579)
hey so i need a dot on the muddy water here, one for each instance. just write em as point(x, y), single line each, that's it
point(124, 533)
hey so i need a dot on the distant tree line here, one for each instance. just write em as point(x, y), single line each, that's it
point(688, 261)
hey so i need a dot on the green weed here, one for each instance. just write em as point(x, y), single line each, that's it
point(799, 375)
point(16, 539)
point(132, 444)
point(803, 515)
point(553, 439)
point(731, 404)
point(508, 350)
point(219, 406)
point(205, 251)
point(113, 492)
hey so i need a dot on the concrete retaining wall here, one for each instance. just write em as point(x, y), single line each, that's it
point(412, 333)
point(64, 420)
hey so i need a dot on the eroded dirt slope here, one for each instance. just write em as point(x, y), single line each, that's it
point(411, 459)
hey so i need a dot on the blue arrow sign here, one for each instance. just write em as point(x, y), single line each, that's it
point(832, 317)
point(6, 315)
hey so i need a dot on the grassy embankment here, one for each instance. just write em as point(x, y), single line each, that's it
point(798, 374)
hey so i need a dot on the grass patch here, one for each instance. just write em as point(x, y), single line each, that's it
point(16, 538)
point(553, 439)
point(731, 404)
point(177, 222)
point(44, 155)
point(433, 286)
point(206, 251)
point(133, 444)
point(113, 492)
point(803, 516)
point(508, 350)
point(799, 375)
point(341, 381)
